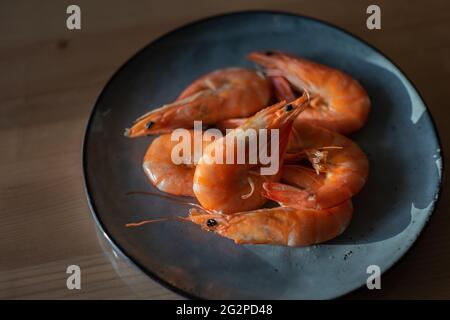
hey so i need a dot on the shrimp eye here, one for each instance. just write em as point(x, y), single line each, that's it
point(269, 53)
point(289, 107)
point(149, 124)
point(211, 223)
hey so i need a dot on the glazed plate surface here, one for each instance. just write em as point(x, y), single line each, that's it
point(399, 139)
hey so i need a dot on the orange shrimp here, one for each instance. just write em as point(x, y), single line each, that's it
point(337, 161)
point(164, 173)
point(286, 225)
point(340, 168)
point(221, 94)
point(231, 187)
point(289, 225)
point(338, 102)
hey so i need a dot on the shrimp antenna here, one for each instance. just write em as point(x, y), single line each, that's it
point(140, 223)
point(171, 198)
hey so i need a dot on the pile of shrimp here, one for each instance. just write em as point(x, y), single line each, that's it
point(313, 106)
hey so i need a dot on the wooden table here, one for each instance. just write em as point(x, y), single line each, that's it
point(50, 78)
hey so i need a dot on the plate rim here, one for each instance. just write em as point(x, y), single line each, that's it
point(154, 276)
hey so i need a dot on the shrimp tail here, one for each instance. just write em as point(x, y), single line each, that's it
point(286, 195)
point(282, 89)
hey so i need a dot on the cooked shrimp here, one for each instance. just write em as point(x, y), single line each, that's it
point(221, 94)
point(285, 225)
point(231, 187)
point(290, 224)
point(340, 168)
point(338, 102)
point(337, 161)
point(164, 173)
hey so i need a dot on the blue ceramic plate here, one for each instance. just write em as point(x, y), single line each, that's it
point(399, 138)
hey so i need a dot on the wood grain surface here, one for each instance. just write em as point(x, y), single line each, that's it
point(50, 78)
